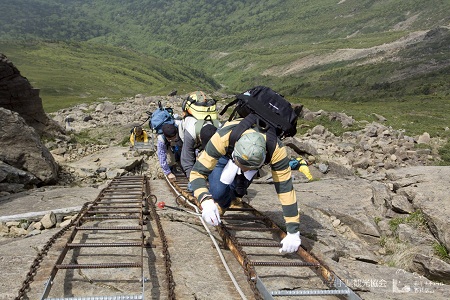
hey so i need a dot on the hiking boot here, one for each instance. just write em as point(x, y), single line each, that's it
point(221, 209)
point(237, 203)
point(176, 170)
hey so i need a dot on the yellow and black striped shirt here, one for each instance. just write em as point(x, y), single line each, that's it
point(281, 172)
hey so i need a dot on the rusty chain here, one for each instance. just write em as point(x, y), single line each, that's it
point(40, 256)
point(165, 246)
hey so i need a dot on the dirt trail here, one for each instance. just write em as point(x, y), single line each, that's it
point(371, 55)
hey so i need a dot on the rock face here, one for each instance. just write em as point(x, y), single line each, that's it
point(348, 222)
point(18, 95)
point(25, 160)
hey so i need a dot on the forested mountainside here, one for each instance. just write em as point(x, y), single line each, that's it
point(217, 24)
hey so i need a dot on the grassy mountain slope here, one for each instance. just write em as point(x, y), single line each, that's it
point(70, 73)
point(241, 43)
point(390, 57)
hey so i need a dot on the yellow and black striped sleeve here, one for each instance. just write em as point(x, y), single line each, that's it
point(216, 148)
point(282, 179)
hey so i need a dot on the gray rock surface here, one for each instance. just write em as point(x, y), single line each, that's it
point(427, 189)
point(375, 213)
point(22, 149)
point(339, 224)
point(196, 267)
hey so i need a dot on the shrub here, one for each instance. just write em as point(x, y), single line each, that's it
point(444, 152)
point(441, 251)
point(416, 219)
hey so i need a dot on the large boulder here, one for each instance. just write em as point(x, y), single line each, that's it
point(17, 94)
point(21, 148)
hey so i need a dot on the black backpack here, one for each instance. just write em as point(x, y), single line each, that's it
point(269, 111)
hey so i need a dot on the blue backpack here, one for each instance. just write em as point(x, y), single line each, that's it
point(160, 117)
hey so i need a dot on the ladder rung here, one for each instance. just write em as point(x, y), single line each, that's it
point(284, 264)
point(111, 217)
point(253, 244)
point(130, 187)
point(110, 245)
point(106, 212)
point(121, 297)
point(244, 228)
point(109, 202)
point(112, 193)
point(109, 228)
point(309, 292)
point(99, 266)
point(243, 217)
point(139, 205)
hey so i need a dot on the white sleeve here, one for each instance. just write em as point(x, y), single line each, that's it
point(190, 126)
point(181, 127)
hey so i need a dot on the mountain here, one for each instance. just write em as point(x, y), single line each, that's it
point(345, 50)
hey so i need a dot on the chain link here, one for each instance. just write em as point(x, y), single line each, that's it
point(41, 254)
point(165, 245)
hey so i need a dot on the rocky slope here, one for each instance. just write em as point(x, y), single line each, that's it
point(377, 213)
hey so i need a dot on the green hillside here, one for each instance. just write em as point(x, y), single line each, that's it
point(357, 56)
point(70, 73)
point(240, 42)
point(246, 42)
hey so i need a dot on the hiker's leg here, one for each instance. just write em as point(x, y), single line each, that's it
point(220, 191)
point(170, 158)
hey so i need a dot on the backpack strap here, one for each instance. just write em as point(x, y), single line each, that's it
point(226, 107)
point(237, 131)
point(246, 123)
point(200, 123)
point(198, 127)
point(166, 142)
point(271, 143)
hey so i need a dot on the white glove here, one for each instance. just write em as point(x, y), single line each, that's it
point(291, 242)
point(210, 213)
